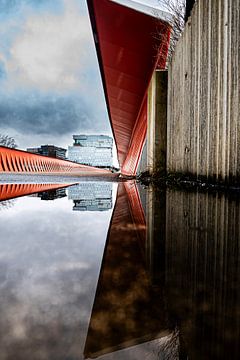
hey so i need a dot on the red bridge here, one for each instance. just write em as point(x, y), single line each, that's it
point(130, 45)
point(19, 161)
point(12, 191)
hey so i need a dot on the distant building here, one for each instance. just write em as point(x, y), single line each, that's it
point(94, 150)
point(91, 196)
point(49, 150)
point(52, 194)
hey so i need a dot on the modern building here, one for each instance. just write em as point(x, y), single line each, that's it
point(52, 194)
point(94, 150)
point(49, 150)
point(91, 196)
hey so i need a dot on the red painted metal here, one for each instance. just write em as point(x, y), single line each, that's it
point(130, 46)
point(136, 211)
point(11, 191)
point(12, 160)
point(125, 298)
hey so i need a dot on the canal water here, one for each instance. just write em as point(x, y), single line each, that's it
point(116, 271)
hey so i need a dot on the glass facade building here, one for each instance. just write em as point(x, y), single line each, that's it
point(91, 196)
point(94, 150)
point(49, 150)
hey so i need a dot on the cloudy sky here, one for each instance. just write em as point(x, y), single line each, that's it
point(50, 84)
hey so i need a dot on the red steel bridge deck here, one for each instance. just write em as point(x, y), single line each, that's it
point(130, 46)
point(18, 161)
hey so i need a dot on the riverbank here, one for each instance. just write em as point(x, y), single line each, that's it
point(188, 182)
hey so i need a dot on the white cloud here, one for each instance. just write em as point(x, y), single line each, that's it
point(51, 52)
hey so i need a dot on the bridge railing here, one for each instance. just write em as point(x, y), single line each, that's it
point(12, 191)
point(12, 160)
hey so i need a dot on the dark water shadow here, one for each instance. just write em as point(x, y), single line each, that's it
point(197, 239)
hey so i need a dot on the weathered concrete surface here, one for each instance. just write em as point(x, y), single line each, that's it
point(203, 97)
point(142, 166)
point(157, 122)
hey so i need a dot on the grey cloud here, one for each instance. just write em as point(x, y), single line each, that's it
point(48, 92)
point(7, 6)
point(2, 70)
point(48, 115)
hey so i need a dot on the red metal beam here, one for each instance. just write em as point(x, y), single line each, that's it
point(12, 160)
point(130, 45)
point(12, 191)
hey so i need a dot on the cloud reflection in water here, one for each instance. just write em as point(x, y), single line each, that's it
point(50, 259)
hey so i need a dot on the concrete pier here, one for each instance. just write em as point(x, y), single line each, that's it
point(203, 96)
point(157, 122)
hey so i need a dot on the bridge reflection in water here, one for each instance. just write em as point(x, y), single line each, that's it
point(11, 191)
point(169, 280)
point(127, 310)
point(180, 286)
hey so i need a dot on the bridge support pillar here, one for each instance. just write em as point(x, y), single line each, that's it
point(157, 122)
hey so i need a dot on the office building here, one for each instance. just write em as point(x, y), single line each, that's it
point(94, 150)
point(49, 150)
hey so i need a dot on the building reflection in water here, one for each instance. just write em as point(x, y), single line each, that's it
point(168, 287)
point(52, 194)
point(91, 196)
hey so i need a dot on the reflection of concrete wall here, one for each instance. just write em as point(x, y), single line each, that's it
point(192, 251)
point(156, 233)
point(202, 271)
point(91, 196)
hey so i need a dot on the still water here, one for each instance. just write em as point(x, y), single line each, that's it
point(116, 271)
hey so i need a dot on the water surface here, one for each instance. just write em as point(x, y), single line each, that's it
point(117, 272)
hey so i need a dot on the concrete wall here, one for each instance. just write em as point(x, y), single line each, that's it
point(157, 122)
point(203, 96)
point(142, 166)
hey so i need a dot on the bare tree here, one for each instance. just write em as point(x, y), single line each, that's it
point(177, 9)
point(7, 204)
point(7, 141)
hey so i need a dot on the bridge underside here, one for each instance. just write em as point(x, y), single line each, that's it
point(130, 46)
